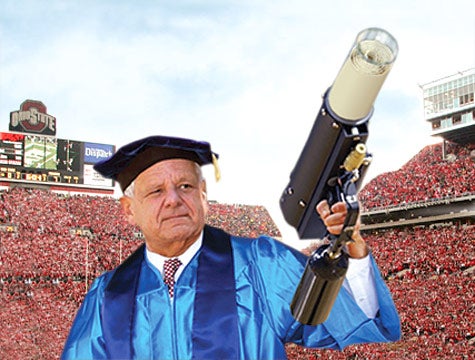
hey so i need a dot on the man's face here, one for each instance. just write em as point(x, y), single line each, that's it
point(169, 205)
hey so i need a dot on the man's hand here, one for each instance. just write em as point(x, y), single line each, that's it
point(333, 218)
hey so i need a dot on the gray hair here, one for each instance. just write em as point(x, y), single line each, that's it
point(130, 190)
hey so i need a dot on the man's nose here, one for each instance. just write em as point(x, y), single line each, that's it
point(172, 196)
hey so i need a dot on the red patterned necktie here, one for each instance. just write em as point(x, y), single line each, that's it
point(170, 267)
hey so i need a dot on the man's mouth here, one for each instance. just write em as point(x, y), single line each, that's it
point(175, 217)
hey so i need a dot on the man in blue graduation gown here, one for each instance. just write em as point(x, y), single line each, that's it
point(230, 297)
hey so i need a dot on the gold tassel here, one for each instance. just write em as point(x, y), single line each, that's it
point(217, 172)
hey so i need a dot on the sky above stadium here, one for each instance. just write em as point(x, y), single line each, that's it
point(247, 76)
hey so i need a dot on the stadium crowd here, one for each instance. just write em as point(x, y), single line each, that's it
point(429, 175)
point(60, 243)
point(88, 233)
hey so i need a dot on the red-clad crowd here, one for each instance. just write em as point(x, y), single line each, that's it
point(242, 220)
point(431, 174)
point(58, 244)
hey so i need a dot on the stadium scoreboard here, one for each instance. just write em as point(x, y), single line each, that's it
point(35, 158)
point(31, 153)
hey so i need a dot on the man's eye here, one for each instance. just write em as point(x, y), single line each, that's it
point(185, 186)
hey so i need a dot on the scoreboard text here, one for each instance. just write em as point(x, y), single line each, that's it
point(46, 159)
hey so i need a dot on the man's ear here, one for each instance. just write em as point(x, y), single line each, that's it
point(204, 195)
point(203, 189)
point(126, 204)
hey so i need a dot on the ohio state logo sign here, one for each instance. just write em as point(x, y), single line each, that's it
point(32, 118)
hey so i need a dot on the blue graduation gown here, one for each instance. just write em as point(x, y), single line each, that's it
point(267, 273)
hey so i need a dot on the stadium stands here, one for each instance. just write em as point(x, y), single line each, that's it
point(55, 245)
point(425, 177)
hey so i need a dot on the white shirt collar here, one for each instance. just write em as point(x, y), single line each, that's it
point(157, 260)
